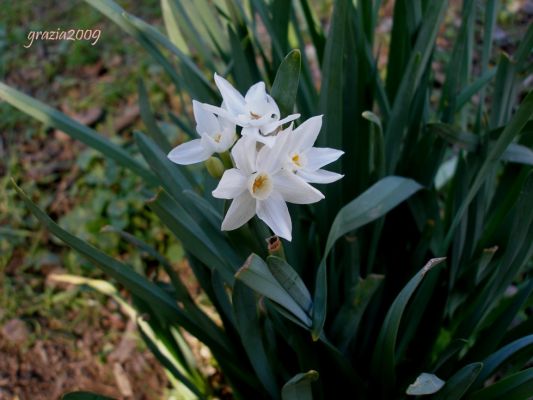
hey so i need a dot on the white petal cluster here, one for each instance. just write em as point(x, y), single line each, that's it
point(272, 166)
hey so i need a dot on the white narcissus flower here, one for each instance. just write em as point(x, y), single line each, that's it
point(257, 112)
point(217, 135)
point(302, 158)
point(259, 185)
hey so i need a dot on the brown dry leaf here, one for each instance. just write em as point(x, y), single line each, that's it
point(123, 382)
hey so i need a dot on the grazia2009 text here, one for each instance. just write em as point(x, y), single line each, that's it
point(92, 35)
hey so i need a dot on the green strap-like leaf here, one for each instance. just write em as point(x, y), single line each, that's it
point(191, 76)
point(459, 383)
point(331, 106)
point(299, 386)
point(346, 324)
point(384, 358)
point(416, 66)
point(285, 86)
point(193, 238)
point(250, 330)
point(518, 386)
point(291, 281)
point(51, 117)
point(375, 202)
point(138, 285)
point(496, 360)
point(513, 129)
point(256, 275)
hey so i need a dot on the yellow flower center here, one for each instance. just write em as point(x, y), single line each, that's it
point(254, 115)
point(260, 186)
point(217, 137)
point(296, 160)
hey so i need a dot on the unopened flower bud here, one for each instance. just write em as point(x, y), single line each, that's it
point(215, 167)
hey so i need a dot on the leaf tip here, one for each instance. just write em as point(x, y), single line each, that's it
point(432, 263)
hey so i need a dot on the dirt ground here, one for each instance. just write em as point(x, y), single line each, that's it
point(47, 368)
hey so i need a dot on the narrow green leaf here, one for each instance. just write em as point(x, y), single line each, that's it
point(516, 153)
point(315, 29)
point(285, 86)
point(453, 348)
point(513, 129)
point(469, 91)
point(518, 386)
point(331, 105)
point(496, 360)
point(149, 37)
point(375, 202)
point(58, 120)
point(384, 358)
point(172, 177)
point(135, 283)
point(278, 49)
point(248, 325)
point(346, 324)
point(190, 29)
point(299, 386)
point(458, 70)
point(416, 66)
point(256, 275)
point(291, 282)
point(459, 383)
point(194, 239)
point(182, 293)
point(167, 359)
point(172, 26)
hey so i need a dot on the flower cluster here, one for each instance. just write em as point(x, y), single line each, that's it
point(271, 166)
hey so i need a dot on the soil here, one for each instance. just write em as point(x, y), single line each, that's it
point(50, 367)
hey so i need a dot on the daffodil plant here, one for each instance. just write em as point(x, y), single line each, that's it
point(410, 276)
